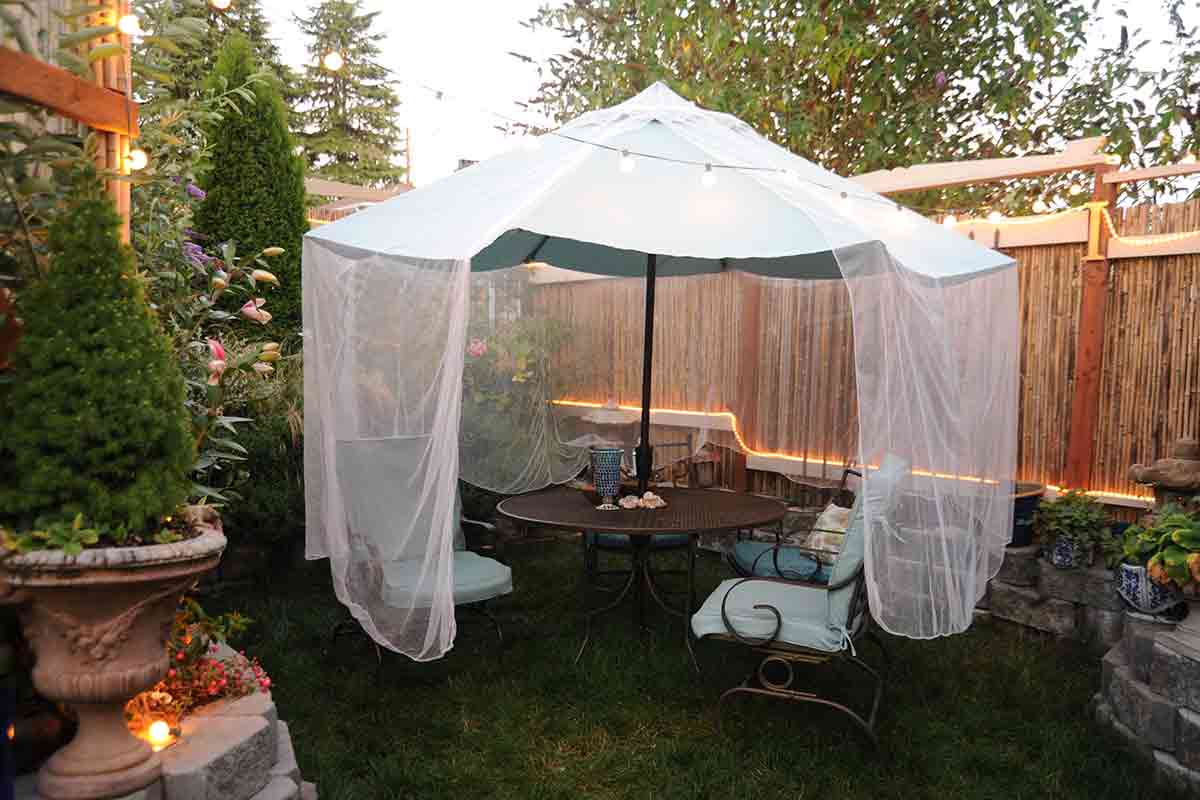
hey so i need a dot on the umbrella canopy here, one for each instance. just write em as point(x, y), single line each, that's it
point(394, 293)
point(569, 203)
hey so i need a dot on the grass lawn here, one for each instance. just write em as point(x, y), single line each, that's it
point(994, 713)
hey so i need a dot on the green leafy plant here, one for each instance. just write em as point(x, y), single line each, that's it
point(1168, 544)
point(1075, 517)
point(94, 423)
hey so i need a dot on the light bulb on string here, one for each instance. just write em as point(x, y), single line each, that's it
point(950, 220)
point(137, 159)
point(627, 164)
point(130, 25)
point(333, 61)
point(1190, 158)
point(995, 217)
point(1040, 207)
point(220, 5)
point(709, 178)
point(844, 198)
point(1076, 188)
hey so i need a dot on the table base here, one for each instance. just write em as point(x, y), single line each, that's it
point(641, 583)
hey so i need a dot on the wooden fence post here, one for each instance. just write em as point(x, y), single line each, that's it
point(750, 323)
point(1089, 340)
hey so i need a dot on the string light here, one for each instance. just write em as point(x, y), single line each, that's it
point(845, 197)
point(950, 221)
point(995, 216)
point(220, 5)
point(626, 164)
point(709, 178)
point(333, 61)
point(137, 159)
point(1144, 241)
point(1040, 207)
point(130, 25)
point(1190, 158)
point(1113, 161)
point(1076, 188)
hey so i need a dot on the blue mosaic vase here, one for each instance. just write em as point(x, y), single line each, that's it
point(606, 472)
point(1063, 554)
point(1143, 594)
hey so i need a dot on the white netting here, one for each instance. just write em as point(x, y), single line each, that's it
point(805, 329)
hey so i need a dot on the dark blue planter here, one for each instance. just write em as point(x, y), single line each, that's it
point(1062, 555)
point(1025, 503)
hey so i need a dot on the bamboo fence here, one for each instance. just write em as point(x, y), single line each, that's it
point(1150, 385)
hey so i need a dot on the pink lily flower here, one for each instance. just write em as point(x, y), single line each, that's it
point(477, 348)
point(252, 311)
point(216, 367)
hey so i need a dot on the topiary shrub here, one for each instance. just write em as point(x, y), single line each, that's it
point(255, 186)
point(92, 422)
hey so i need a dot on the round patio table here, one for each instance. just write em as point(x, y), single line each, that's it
point(688, 511)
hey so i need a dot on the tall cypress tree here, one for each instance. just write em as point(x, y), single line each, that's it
point(256, 183)
point(347, 120)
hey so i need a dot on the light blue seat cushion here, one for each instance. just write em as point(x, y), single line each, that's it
point(620, 541)
point(794, 563)
point(476, 578)
point(805, 612)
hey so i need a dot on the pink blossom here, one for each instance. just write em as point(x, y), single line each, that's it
point(252, 311)
point(216, 367)
point(477, 348)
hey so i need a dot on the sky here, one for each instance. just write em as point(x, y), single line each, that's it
point(457, 46)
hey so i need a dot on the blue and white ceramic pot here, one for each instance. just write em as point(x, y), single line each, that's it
point(606, 473)
point(1062, 555)
point(1136, 589)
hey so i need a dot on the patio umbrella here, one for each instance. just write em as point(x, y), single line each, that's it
point(654, 189)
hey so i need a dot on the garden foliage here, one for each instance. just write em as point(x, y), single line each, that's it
point(255, 182)
point(94, 422)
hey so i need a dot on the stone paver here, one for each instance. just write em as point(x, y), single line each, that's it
point(280, 788)
point(219, 758)
point(1020, 567)
point(1175, 676)
point(285, 755)
point(1150, 715)
point(1026, 607)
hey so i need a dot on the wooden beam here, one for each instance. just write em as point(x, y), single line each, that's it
point(1150, 173)
point(1079, 154)
point(1089, 341)
point(66, 94)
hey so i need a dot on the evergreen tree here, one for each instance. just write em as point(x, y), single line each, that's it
point(94, 423)
point(256, 183)
point(347, 124)
point(193, 60)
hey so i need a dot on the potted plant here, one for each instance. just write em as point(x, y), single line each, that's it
point(1146, 541)
point(95, 450)
point(1071, 528)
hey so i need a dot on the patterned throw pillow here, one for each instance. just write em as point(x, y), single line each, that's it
point(828, 532)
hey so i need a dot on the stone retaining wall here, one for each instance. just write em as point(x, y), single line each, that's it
point(1150, 695)
point(1079, 604)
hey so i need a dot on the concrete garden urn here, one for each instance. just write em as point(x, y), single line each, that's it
point(98, 624)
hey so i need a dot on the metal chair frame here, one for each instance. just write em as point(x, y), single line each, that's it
point(350, 626)
point(786, 656)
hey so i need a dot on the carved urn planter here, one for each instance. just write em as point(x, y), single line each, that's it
point(98, 623)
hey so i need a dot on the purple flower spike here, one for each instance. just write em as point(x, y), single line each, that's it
point(940, 80)
point(196, 192)
point(196, 255)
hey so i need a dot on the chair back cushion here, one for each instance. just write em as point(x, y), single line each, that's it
point(379, 481)
point(880, 492)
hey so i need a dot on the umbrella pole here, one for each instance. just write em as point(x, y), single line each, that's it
point(644, 453)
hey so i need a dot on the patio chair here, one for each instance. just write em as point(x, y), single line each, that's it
point(391, 571)
point(791, 621)
point(747, 555)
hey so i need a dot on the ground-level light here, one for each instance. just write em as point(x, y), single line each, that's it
point(137, 159)
point(333, 61)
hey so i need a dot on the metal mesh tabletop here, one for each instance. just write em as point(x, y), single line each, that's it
point(687, 511)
